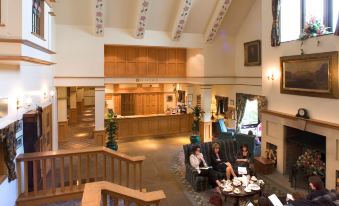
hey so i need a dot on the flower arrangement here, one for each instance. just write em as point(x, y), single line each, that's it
point(314, 27)
point(311, 162)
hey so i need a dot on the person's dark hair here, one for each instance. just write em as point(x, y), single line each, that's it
point(316, 182)
point(244, 145)
point(263, 201)
point(194, 148)
point(250, 132)
point(298, 195)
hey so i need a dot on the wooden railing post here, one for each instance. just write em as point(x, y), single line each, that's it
point(44, 176)
point(62, 174)
point(70, 177)
point(18, 172)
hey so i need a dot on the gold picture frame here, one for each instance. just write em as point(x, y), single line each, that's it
point(313, 75)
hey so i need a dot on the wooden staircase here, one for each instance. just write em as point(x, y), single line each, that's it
point(65, 174)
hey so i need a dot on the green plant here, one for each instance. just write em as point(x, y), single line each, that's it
point(311, 162)
point(196, 119)
point(111, 128)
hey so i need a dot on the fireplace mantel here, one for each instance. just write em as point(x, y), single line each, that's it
point(274, 130)
point(308, 121)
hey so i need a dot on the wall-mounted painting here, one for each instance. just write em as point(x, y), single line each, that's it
point(310, 75)
point(169, 98)
point(252, 53)
point(3, 107)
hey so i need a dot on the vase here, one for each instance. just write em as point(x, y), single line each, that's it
point(195, 139)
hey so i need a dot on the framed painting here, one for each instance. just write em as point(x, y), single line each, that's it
point(313, 75)
point(252, 51)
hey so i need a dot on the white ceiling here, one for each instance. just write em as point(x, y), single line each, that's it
point(161, 16)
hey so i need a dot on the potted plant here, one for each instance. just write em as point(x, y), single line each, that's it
point(111, 129)
point(195, 137)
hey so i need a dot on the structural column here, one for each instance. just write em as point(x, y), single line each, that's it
point(62, 113)
point(73, 106)
point(99, 132)
point(80, 99)
point(206, 124)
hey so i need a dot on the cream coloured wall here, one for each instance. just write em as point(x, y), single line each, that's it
point(250, 30)
point(319, 108)
point(195, 64)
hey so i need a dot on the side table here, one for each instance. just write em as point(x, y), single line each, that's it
point(263, 165)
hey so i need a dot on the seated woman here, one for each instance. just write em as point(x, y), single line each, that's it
point(220, 164)
point(198, 162)
point(244, 159)
point(317, 187)
point(244, 156)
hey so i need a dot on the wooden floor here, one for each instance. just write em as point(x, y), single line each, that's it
point(156, 169)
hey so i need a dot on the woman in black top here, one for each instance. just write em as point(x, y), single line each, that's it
point(220, 164)
point(244, 156)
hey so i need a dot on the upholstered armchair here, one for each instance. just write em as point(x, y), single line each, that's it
point(222, 131)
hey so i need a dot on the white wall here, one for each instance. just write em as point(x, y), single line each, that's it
point(319, 108)
point(16, 82)
point(250, 30)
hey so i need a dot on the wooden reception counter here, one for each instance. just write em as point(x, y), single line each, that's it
point(137, 126)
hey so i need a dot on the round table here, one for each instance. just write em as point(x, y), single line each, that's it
point(241, 195)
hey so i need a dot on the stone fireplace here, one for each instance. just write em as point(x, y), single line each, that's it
point(290, 135)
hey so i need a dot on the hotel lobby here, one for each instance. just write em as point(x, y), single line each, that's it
point(169, 102)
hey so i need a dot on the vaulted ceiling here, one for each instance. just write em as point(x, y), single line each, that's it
point(162, 15)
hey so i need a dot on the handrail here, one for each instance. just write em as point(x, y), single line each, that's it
point(96, 193)
point(59, 153)
point(66, 171)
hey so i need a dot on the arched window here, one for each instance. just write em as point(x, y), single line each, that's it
point(38, 17)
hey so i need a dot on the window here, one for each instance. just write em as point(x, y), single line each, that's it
point(38, 17)
point(250, 118)
point(295, 13)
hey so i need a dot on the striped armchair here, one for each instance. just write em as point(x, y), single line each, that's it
point(200, 183)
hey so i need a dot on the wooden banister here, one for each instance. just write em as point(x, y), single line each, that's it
point(96, 193)
point(59, 153)
point(50, 169)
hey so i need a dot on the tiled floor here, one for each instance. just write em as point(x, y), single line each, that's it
point(156, 168)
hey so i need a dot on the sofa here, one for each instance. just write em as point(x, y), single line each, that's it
point(228, 148)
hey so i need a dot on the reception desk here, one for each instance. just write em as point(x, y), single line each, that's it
point(137, 126)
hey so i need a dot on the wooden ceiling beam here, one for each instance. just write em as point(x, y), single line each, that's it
point(142, 16)
point(216, 20)
point(181, 19)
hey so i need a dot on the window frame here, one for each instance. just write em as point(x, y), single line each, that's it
point(327, 14)
point(246, 126)
point(38, 29)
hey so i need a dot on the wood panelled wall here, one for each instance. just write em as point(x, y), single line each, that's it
point(132, 61)
point(142, 104)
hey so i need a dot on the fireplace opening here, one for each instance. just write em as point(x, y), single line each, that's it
point(305, 152)
point(271, 153)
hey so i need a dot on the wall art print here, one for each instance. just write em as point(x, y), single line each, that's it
point(310, 75)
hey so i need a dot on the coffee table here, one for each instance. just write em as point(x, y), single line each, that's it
point(242, 195)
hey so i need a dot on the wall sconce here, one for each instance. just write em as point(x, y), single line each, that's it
point(29, 101)
point(52, 93)
point(271, 75)
point(18, 103)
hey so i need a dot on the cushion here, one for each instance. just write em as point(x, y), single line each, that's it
point(223, 127)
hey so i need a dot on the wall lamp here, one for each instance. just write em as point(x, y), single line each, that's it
point(272, 74)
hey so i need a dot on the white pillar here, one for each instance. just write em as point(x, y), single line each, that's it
point(99, 108)
point(55, 136)
point(206, 100)
point(62, 104)
point(73, 98)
